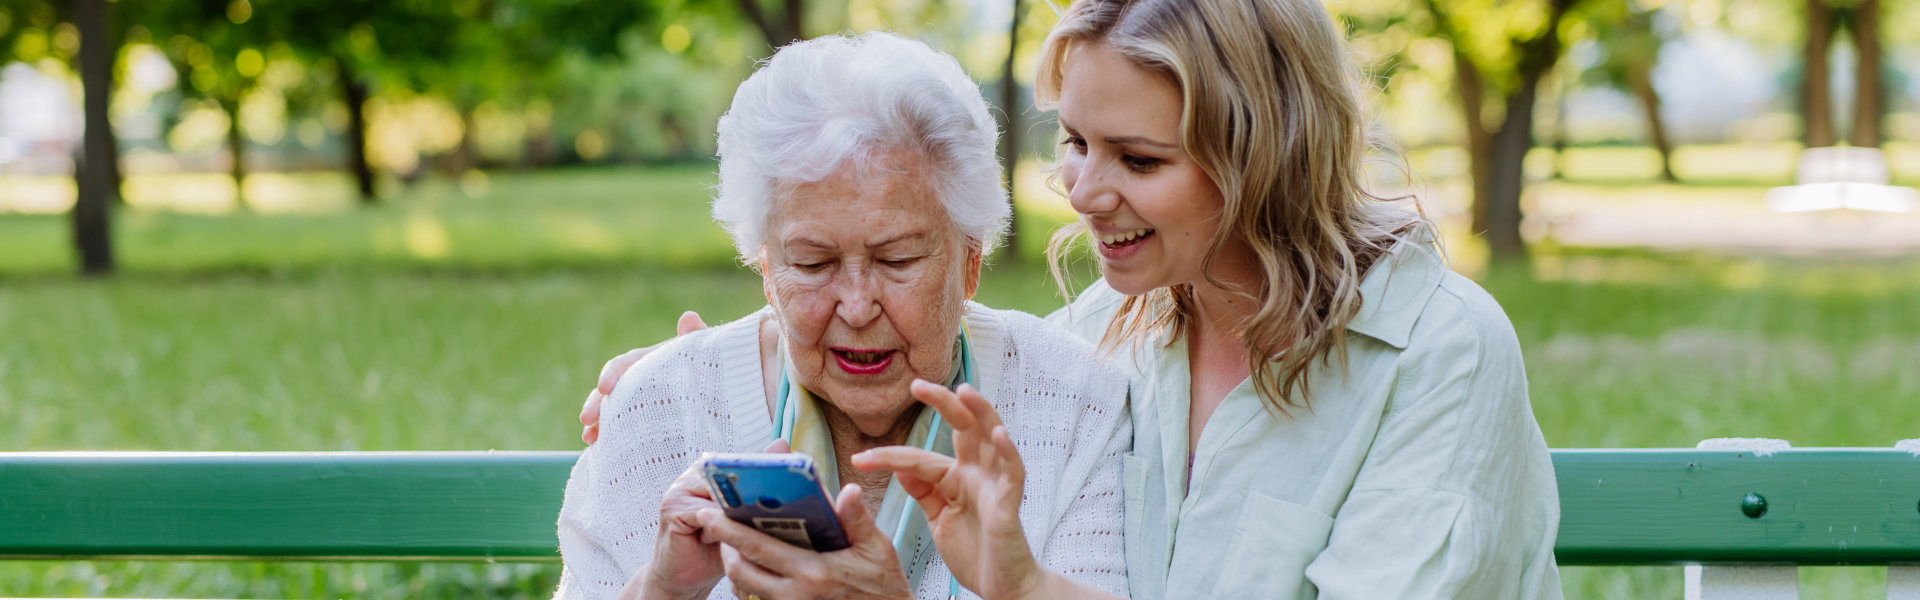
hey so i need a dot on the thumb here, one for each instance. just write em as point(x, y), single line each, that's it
point(856, 519)
point(689, 323)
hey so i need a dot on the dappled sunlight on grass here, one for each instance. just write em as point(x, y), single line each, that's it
point(426, 237)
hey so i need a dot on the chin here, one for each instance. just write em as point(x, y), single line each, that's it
point(871, 399)
point(1131, 284)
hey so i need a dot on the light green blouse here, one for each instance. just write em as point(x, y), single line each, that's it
point(1419, 472)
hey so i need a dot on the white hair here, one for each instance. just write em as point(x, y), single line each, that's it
point(823, 103)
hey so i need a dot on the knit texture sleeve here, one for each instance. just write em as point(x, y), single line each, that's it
point(1067, 415)
point(664, 412)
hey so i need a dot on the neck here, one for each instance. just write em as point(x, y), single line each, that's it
point(850, 439)
point(1221, 312)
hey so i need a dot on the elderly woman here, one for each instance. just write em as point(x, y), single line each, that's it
point(857, 177)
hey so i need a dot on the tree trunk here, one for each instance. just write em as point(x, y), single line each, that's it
point(1498, 157)
point(1868, 95)
point(1010, 133)
point(1816, 105)
point(94, 173)
point(1565, 81)
point(237, 148)
point(465, 156)
point(1479, 142)
point(1508, 170)
point(354, 92)
point(779, 31)
point(1641, 77)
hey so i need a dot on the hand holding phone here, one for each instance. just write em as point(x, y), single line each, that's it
point(777, 494)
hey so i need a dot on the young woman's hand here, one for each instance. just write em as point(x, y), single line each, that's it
point(972, 500)
point(763, 566)
point(610, 374)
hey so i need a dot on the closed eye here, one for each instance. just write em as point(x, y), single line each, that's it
point(1140, 164)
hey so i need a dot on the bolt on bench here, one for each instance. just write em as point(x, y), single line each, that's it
point(1741, 519)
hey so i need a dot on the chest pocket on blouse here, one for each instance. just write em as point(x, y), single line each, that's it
point(1273, 542)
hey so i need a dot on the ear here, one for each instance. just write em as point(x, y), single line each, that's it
point(973, 271)
point(766, 282)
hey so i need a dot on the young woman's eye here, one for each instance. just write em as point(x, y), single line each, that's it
point(1078, 144)
point(1140, 163)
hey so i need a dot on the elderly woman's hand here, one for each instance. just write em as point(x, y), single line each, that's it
point(763, 566)
point(610, 374)
point(686, 561)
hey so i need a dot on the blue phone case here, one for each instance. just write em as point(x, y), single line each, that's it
point(779, 494)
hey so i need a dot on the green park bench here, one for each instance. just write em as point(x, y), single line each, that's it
point(1740, 520)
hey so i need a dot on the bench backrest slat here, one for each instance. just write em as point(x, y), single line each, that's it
point(321, 506)
point(1824, 506)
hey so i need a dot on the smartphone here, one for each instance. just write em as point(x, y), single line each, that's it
point(778, 494)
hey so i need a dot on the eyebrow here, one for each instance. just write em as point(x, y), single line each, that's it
point(811, 242)
point(898, 238)
point(1127, 140)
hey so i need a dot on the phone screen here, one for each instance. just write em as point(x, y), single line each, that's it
point(778, 494)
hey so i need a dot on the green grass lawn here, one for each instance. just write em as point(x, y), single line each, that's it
point(443, 320)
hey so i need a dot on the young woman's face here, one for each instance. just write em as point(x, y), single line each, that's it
point(1152, 210)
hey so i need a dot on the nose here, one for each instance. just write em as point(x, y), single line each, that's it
point(859, 298)
point(1090, 186)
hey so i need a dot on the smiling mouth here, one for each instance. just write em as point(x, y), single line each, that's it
point(863, 362)
point(1124, 238)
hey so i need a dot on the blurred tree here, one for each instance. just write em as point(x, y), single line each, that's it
point(1869, 100)
point(1816, 105)
point(779, 29)
point(1501, 51)
point(33, 30)
point(92, 232)
point(219, 50)
point(1861, 19)
point(1009, 127)
point(363, 42)
point(1630, 43)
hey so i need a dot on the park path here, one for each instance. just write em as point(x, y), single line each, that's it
point(1733, 220)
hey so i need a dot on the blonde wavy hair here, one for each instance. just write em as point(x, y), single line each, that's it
point(1273, 113)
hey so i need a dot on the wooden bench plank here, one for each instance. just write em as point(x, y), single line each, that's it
point(1618, 507)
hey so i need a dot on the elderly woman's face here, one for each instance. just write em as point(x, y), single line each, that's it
point(869, 279)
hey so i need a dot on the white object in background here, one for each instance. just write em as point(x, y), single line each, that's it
point(1743, 583)
point(1843, 178)
point(1842, 164)
point(1717, 582)
point(1758, 446)
point(1903, 582)
point(1908, 446)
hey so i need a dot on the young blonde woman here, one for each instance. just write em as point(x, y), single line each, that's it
point(1321, 408)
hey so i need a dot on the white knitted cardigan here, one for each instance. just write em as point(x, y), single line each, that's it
point(1064, 410)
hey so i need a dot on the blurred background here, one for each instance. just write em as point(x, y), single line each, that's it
point(423, 224)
